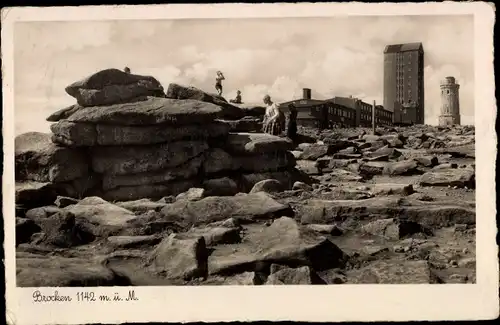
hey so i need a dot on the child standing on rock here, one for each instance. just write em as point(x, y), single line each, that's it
point(218, 82)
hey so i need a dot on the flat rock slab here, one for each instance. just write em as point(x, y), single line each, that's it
point(183, 172)
point(341, 175)
point(63, 113)
point(466, 151)
point(253, 143)
point(41, 271)
point(393, 272)
point(152, 191)
point(101, 212)
point(125, 242)
point(216, 208)
point(391, 189)
point(432, 215)
point(402, 168)
point(122, 160)
point(30, 194)
point(372, 168)
point(460, 177)
point(88, 134)
point(141, 205)
point(218, 160)
point(152, 111)
point(246, 124)
point(284, 242)
point(38, 159)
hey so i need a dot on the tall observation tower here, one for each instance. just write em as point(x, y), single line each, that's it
point(450, 102)
point(404, 82)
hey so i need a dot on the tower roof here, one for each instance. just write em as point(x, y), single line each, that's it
point(395, 48)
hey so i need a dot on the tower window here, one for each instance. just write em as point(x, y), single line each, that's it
point(448, 92)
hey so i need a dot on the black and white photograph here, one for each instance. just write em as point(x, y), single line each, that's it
point(247, 151)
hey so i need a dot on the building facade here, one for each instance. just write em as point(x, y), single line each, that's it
point(450, 102)
point(404, 81)
point(336, 112)
point(310, 112)
point(383, 117)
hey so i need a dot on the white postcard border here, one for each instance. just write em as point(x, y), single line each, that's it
point(298, 303)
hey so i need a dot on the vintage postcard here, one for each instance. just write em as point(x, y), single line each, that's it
point(245, 162)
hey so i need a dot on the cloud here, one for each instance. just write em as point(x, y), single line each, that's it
point(338, 56)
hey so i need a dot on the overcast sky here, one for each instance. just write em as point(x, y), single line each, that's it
point(333, 56)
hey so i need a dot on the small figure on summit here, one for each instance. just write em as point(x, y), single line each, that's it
point(237, 100)
point(126, 69)
point(218, 82)
point(274, 118)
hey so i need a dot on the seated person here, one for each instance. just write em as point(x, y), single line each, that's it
point(237, 100)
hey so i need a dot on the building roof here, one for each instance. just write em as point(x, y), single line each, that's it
point(305, 116)
point(303, 102)
point(395, 48)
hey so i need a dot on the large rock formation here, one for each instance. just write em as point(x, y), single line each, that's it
point(142, 143)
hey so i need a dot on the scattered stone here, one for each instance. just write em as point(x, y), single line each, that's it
point(217, 235)
point(39, 271)
point(301, 275)
point(326, 229)
point(371, 169)
point(125, 242)
point(25, 228)
point(308, 167)
point(393, 272)
point(405, 167)
point(468, 262)
point(268, 186)
point(193, 194)
point(393, 228)
point(143, 205)
point(427, 161)
point(62, 201)
point(391, 189)
point(301, 186)
point(63, 230)
point(224, 186)
point(255, 143)
point(181, 257)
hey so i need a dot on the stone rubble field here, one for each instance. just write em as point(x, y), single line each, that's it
point(140, 186)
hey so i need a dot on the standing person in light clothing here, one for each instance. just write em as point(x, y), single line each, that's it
point(274, 118)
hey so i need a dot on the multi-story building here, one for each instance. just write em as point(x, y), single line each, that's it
point(363, 110)
point(404, 82)
point(336, 112)
point(310, 112)
point(383, 117)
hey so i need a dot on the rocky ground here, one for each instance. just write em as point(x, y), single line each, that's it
point(395, 207)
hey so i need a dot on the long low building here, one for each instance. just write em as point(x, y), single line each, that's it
point(336, 112)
